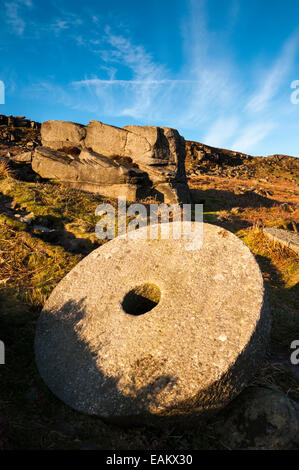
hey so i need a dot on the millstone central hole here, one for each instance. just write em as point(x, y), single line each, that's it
point(141, 299)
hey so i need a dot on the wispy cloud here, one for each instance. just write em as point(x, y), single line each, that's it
point(272, 81)
point(66, 22)
point(207, 95)
point(133, 56)
point(221, 132)
point(219, 102)
point(210, 66)
point(14, 14)
point(59, 25)
point(99, 82)
point(151, 93)
point(252, 135)
point(136, 96)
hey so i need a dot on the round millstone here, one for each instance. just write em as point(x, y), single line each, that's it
point(150, 332)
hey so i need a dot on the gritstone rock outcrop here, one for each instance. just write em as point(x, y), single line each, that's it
point(136, 161)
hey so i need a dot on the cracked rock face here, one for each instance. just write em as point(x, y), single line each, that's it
point(134, 339)
point(90, 172)
point(158, 153)
point(59, 134)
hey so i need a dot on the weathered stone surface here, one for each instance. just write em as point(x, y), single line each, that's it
point(90, 172)
point(176, 144)
point(148, 145)
point(285, 238)
point(25, 157)
point(199, 343)
point(105, 140)
point(61, 134)
point(149, 133)
point(260, 418)
point(164, 147)
point(160, 152)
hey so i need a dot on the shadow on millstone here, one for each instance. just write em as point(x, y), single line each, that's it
point(71, 367)
point(76, 377)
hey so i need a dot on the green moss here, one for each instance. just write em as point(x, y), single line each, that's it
point(53, 204)
point(14, 223)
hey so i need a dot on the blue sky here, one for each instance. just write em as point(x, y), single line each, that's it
point(219, 71)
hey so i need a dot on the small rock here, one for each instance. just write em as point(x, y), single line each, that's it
point(28, 218)
point(25, 157)
point(259, 418)
point(285, 238)
point(40, 228)
point(220, 218)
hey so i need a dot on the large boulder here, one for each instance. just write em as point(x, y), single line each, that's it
point(164, 146)
point(259, 418)
point(90, 172)
point(146, 145)
point(158, 152)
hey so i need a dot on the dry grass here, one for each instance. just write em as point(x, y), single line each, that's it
point(29, 267)
point(283, 260)
point(31, 416)
point(5, 169)
point(280, 269)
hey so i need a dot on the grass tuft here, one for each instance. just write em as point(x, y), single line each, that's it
point(5, 169)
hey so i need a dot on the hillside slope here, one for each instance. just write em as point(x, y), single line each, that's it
point(203, 159)
point(47, 228)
